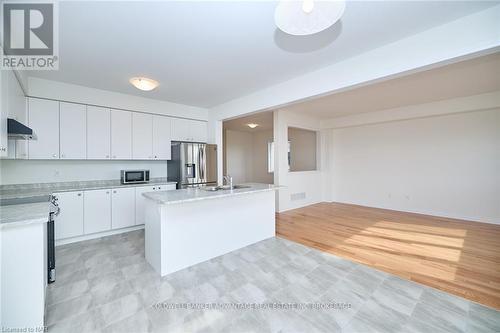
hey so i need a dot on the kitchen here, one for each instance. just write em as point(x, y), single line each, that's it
point(219, 167)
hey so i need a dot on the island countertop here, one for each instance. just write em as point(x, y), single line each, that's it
point(196, 194)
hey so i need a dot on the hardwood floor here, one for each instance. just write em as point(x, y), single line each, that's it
point(459, 257)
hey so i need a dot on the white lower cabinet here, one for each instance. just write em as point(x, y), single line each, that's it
point(69, 222)
point(123, 207)
point(97, 211)
point(94, 211)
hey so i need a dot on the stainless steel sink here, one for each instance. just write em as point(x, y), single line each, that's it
point(224, 187)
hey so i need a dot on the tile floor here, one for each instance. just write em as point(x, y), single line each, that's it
point(106, 285)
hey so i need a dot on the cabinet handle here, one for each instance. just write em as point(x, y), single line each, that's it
point(79, 194)
point(54, 155)
point(62, 155)
point(114, 191)
point(156, 156)
point(159, 187)
point(154, 188)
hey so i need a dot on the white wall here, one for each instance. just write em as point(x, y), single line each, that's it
point(443, 165)
point(308, 183)
point(86, 95)
point(46, 171)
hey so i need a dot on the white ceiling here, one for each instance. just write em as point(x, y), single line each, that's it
point(263, 119)
point(466, 78)
point(207, 53)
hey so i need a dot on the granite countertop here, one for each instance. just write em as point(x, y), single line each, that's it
point(195, 194)
point(22, 214)
point(45, 189)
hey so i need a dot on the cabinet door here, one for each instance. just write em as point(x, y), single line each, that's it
point(69, 222)
point(142, 136)
point(73, 131)
point(123, 207)
point(121, 135)
point(161, 138)
point(98, 133)
point(43, 118)
point(140, 202)
point(97, 211)
point(180, 129)
point(198, 130)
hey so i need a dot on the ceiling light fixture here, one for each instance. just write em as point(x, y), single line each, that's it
point(307, 17)
point(252, 125)
point(143, 83)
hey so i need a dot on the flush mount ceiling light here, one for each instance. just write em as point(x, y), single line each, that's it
point(143, 83)
point(252, 125)
point(307, 17)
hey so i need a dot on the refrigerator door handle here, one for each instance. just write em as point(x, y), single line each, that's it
point(202, 163)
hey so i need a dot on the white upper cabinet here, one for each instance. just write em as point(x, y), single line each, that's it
point(123, 207)
point(43, 118)
point(73, 131)
point(142, 136)
point(180, 130)
point(198, 131)
point(98, 133)
point(189, 130)
point(69, 222)
point(161, 138)
point(121, 135)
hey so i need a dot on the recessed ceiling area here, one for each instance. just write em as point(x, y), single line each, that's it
point(207, 53)
point(466, 78)
point(263, 119)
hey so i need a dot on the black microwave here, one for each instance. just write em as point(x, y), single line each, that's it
point(134, 176)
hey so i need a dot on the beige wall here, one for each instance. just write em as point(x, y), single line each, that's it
point(246, 156)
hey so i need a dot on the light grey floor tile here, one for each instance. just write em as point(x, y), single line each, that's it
point(483, 319)
point(107, 285)
point(120, 309)
point(374, 317)
point(138, 322)
point(67, 291)
point(64, 310)
point(398, 294)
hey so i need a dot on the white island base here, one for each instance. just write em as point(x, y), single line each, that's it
point(181, 233)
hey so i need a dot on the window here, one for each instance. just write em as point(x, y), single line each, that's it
point(270, 157)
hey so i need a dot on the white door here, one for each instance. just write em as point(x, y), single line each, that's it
point(97, 211)
point(123, 207)
point(140, 202)
point(73, 131)
point(69, 222)
point(142, 136)
point(161, 138)
point(180, 130)
point(198, 130)
point(121, 135)
point(98, 133)
point(43, 118)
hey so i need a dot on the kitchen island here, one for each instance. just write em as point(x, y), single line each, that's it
point(189, 226)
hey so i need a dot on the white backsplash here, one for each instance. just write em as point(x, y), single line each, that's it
point(46, 171)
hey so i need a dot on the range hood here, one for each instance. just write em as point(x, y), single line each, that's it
point(18, 131)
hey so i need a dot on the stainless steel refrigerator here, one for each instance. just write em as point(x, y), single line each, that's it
point(193, 164)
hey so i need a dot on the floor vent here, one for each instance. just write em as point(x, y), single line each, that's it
point(298, 196)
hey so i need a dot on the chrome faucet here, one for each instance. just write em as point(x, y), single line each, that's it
point(229, 181)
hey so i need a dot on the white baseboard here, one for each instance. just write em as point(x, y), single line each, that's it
point(98, 235)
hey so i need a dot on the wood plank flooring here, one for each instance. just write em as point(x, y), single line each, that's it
point(459, 257)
